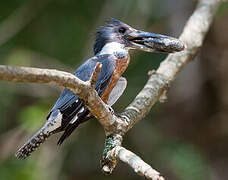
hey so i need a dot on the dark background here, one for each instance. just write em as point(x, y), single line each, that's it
point(185, 138)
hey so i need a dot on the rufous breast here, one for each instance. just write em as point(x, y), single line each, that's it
point(120, 67)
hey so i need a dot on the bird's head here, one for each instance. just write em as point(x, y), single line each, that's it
point(130, 38)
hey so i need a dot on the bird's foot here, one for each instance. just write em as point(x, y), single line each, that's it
point(113, 112)
point(111, 109)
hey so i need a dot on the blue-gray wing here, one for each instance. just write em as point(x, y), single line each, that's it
point(68, 103)
point(69, 111)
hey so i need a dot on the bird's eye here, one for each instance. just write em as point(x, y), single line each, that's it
point(122, 30)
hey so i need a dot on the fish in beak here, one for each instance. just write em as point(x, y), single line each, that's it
point(152, 42)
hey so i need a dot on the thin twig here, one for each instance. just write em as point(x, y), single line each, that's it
point(95, 74)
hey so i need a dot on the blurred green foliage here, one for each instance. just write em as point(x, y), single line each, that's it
point(185, 161)
point(13, 169)
point(32, 117)
point(222, 9)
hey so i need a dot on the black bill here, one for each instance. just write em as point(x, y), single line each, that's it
point(152, 42)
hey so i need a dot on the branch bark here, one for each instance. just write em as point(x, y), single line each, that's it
point(154, 90)
point(136, 163)
point(84, 90)
point(193, 36)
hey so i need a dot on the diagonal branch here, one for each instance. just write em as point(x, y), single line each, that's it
point(155, 89)
point(95, 74)
point(136, 163)
point(193, 35)
point(84, 90)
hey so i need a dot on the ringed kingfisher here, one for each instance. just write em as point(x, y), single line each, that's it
point(111, 49)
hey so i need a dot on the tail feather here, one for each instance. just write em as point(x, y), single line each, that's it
point(79, 118)
point(67, 133)
point(32, 144)
point(52, 126)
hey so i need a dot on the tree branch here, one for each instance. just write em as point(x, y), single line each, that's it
point(136, 163)
point(193, 36)
point(154, 90)
point(84, 90)
point(95, 74)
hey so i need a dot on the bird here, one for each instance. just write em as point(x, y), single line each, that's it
point(112, 44)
